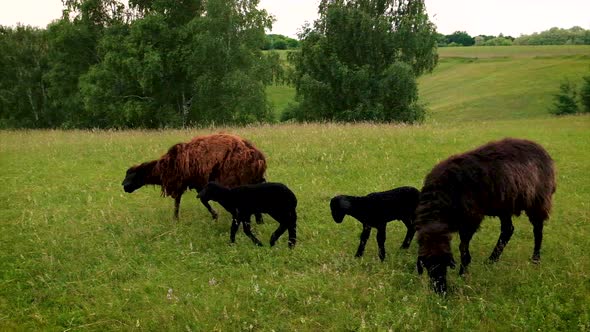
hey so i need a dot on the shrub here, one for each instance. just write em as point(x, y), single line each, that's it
point(565, 100)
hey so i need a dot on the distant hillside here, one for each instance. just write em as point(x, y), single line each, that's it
point(489, 82)
point(495, 83)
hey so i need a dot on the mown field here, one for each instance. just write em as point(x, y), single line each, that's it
point(489, 83)
point(77, 253)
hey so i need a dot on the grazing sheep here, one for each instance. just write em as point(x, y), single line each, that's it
point(376, 210)
point(275, 199)
point(227, 159)
point(500, 179)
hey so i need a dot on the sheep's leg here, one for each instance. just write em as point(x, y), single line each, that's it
point(214, 214)
point(176, 206)
point(410, 230)
point(506, 230)
point(235, 224)
point(465, 236)
point(275, 236)
point(364, 237)
point(538, 233)
point(258, 217)
point(248, 231)
point(381, 233)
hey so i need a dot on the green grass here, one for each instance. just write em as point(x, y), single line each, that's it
point(495, 83)
point(523, 51)
point(280, 97)
point(490, 82)
point(77, 253)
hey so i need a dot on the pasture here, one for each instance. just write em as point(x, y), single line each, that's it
point(77, 253)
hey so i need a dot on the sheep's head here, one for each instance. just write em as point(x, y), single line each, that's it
point(437, 270)
point(339, 205)
point(134, 179)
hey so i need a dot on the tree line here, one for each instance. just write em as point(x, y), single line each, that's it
point(175, 63)
point(554, 36)
point(148, 63)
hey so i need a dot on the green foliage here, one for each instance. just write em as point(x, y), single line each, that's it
point(565, 100)
point(279, 42)
point(497, 41)
point(77, 253)
point(23, 92)
point(460, 38)
point(585, 94)
point(556, 36)
point(153, 64)
point(360, 61)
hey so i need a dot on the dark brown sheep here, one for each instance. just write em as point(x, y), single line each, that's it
point(500, 179)
point(227, 159)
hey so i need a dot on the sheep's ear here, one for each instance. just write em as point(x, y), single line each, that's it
point(419, 265)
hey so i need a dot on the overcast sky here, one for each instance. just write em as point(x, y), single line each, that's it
point(489, 17)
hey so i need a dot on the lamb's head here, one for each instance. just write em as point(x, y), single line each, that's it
point(339, 205)
point(211, 192)
point(135, 178)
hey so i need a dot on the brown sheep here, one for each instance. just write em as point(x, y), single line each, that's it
point(227, 159)
point(500, 179)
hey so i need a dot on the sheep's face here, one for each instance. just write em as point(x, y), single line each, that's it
point(437, 270)
point(133, 180)
point(339, 205)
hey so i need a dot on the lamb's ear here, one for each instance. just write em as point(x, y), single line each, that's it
point(419, 265)
point(344, 203)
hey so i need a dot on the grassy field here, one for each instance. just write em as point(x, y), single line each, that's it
point(77, 253)
point(490, 83)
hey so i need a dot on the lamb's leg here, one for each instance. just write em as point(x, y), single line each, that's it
point(381, 234)
point(248, 231)
point(506, 230)
point(235, 224)
point(214, 214)
point(465, 235)
point(275, 236)
point(410, 230)
point(364, 237)
point(176, 206)
point(292, 235)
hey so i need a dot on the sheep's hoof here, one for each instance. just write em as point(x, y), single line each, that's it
point(536, 259)
point(462, 272)
point(492, 259)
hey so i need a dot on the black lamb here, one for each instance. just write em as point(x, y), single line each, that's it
point(376, 210)
point(274, 199)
